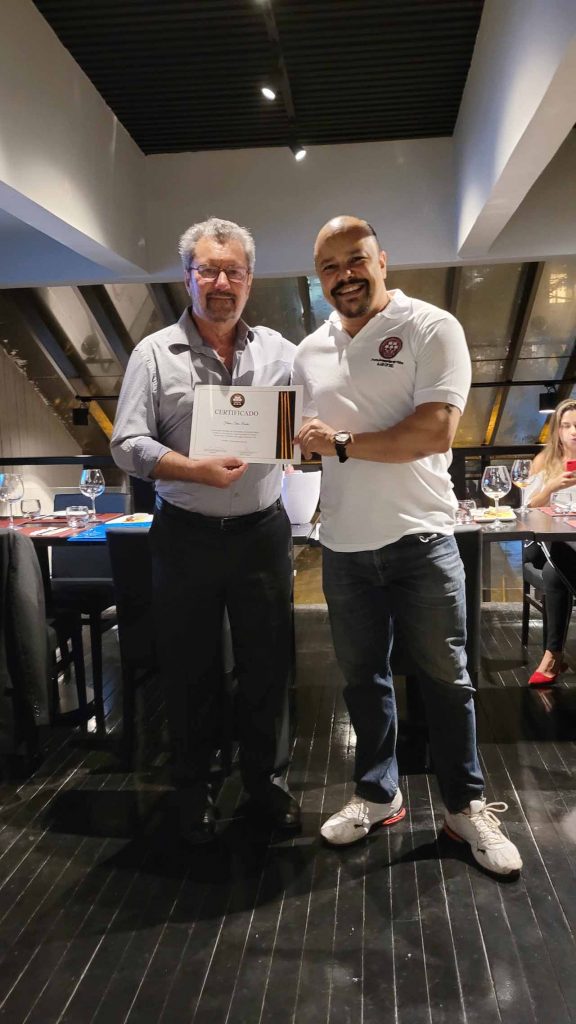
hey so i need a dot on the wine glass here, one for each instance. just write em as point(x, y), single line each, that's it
point(11, 490)
point(521, 470)
point(495, 484)
point(92, 486)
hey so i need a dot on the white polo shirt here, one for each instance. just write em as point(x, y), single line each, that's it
point(409, 354)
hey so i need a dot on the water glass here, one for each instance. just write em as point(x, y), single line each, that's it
point(77, 516)
point(561, 501)
point(465, 510)
point(30, 507)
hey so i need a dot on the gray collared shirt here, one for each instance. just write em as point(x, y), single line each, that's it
point(154, 413)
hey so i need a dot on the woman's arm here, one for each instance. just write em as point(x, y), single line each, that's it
point(545, 488)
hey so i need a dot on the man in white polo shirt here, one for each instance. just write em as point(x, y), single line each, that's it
point(385, 382)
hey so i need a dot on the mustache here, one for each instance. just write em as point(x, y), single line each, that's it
point(345, 284)
point(221, 295)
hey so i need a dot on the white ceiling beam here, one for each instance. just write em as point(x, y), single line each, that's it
point(519, 104)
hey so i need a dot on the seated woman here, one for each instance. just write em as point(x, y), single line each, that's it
point(549, 475)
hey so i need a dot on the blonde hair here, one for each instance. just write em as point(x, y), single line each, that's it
point(554, 454)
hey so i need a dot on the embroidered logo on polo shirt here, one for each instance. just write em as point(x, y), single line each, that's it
point(388, 349)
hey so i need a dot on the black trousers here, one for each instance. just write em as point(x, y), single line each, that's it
point(557, 594)
point(200, 567)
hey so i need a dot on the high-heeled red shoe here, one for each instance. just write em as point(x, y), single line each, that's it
point(540, 679)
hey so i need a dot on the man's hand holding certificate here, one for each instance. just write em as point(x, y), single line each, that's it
point(255, 424)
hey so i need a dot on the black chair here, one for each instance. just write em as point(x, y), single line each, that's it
point(532, 589)
point(82, 585)
point(24, 650)
point(132, 580)
point(534, 558)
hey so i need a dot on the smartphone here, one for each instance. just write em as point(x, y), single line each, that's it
point(571, 465)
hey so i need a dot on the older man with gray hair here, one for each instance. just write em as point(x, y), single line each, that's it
point(220, 538)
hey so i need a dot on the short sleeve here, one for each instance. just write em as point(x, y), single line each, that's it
point(443, 368)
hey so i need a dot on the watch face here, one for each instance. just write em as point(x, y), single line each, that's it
point(342, 437)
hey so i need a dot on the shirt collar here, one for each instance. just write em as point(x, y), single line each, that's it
point(190, 338)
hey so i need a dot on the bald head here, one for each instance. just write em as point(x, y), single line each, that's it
point(342, 225)
point(352, 270)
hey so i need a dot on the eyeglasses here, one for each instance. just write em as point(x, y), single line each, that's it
point(207, 273)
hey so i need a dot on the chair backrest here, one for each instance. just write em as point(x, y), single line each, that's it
point(533, 562)
point(469, 541)
point(24, 652)
point(132, 574)
point(73, 561)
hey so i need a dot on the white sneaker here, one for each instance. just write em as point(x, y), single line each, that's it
point(359, 817)
point(479, 826)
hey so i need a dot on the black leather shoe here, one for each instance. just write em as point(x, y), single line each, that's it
point(197, 817)
point(277, 805)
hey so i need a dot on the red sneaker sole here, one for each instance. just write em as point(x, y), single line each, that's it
point(392, 821)
point(453, 835)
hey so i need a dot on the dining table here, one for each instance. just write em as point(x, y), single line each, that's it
point(47, 531)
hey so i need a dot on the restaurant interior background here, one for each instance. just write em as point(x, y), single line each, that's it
point(451, 130)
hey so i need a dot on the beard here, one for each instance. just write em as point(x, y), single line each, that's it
point(220, 307)
point(351, 306)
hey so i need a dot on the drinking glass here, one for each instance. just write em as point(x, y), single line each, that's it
point(92, 486)
point(77, 516)
point(520, 475)
point(495, 484)
point(465, 510)
point(11, 490)
point(30, 507)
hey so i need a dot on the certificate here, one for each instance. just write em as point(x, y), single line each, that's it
point(254, 424)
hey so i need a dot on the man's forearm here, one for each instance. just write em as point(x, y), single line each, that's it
point(407, 441)
point(213, 472)
point(174, 466)
point(429, 430)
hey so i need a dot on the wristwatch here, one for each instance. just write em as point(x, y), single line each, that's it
point(341, 439)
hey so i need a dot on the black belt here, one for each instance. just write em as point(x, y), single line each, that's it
point(214, 522)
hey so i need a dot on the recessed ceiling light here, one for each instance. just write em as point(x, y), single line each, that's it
point(268, 93)
point(298, 151)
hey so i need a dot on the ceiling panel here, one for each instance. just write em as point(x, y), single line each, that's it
point(184, 75)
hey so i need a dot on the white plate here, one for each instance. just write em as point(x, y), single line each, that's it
point(142, 518)
point(479, 517)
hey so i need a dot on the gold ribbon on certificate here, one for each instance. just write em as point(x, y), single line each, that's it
point(256, 424)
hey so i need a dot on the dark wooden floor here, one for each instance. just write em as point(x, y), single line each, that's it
point(105, 918)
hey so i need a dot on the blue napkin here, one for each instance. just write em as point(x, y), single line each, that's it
point(99, 532)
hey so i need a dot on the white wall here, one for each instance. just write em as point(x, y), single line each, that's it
point(28, 427)
point(545, 223)
point(405, 189)
point(518, 106)
point(67, 166)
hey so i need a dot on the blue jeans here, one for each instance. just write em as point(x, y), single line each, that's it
point(416, 587)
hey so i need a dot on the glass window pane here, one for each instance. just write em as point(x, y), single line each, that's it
point(276, 303)
point(86, 341)
point(135, 307)
point(552, 326)
point(320, 307)
point(476, 416)
point(428, 284)
point(486, 306)
point(521, 422)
